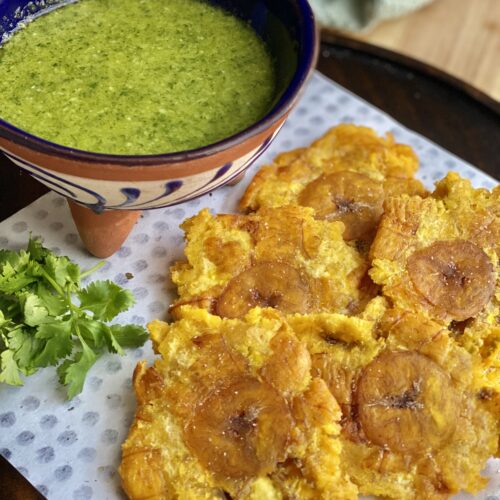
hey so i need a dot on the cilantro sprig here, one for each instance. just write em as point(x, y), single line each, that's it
point(41, 323)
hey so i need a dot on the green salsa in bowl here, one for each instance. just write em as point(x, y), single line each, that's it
point(126, 105)
point(136, 77)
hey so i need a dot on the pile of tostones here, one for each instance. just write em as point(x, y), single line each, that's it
point(339, 337)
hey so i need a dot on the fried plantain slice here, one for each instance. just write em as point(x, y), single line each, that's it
point(406, 402)
point(411, 418)
point(281, 257)
point(352, 198)
point(240, 431)
point(268, 284)
point(456, 276)
point(344, 175)
point(225, 410)
point(438, 255)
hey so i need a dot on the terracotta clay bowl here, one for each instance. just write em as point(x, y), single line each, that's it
point(107, 192)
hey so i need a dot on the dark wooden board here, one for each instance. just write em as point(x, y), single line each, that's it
point(447, 111)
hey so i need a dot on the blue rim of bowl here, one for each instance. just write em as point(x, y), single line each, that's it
point(307, 57)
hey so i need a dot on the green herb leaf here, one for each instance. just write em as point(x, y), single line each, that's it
point(130, 336)
point(10, 307)
point(73, 372)
point(58, 342)
point(40, 325)
point(34, 310)
point(4, 329)
point(25, 346)
point(9, 371)
point(36, 249)
point(12, 262)
point(105, 299)
point(7, 256)
point(55, 304)
point(16, 273)
point(93, 332)
point(62, 270)
point(113, 345)
point(3, 320)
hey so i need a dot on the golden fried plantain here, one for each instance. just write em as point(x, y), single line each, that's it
point(406, 402)
point(412, 425)
point(282, 258)
point(268, 284)
point(344, 176)
point(438, 255)
point(352, 198)
point(226, 409)
point(240, 431)
point(456, 276)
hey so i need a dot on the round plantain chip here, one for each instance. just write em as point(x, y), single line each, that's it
point(456, 276)
point(241, 430)
point(352, 198)
point(406, 402)
point(269, 284)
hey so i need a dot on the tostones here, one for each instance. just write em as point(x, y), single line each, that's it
point(341, 337)
point(345, 175)
point(413, 423)
point(485, 345)
point(278, 257)
point(439, 255)
point(232, 410)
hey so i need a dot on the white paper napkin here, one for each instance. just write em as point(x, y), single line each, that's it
point(71, 449)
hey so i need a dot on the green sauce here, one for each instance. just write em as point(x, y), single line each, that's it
point(135, 76)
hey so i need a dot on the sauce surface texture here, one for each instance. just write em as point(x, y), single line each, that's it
point(135, 76)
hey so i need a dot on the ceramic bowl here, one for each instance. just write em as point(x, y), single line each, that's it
point(103, 182)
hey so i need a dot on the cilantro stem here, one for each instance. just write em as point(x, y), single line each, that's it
point(73, 310)
point(5, 340)
point(93, 269)
point(56, 287)
point(78, 332)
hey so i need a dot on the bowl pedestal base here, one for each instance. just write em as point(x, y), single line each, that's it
point(103, 234)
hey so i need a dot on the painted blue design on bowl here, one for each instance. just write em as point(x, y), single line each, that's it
point(267, 142)
point(132, 194)
point(97, 208)
point(288, 28)
point(100, 200)
point(23, 165)
point(170, 188)
point(222, 171)
point(55, 187)
point(202, 190)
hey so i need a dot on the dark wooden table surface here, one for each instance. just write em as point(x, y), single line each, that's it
point(447, 111)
